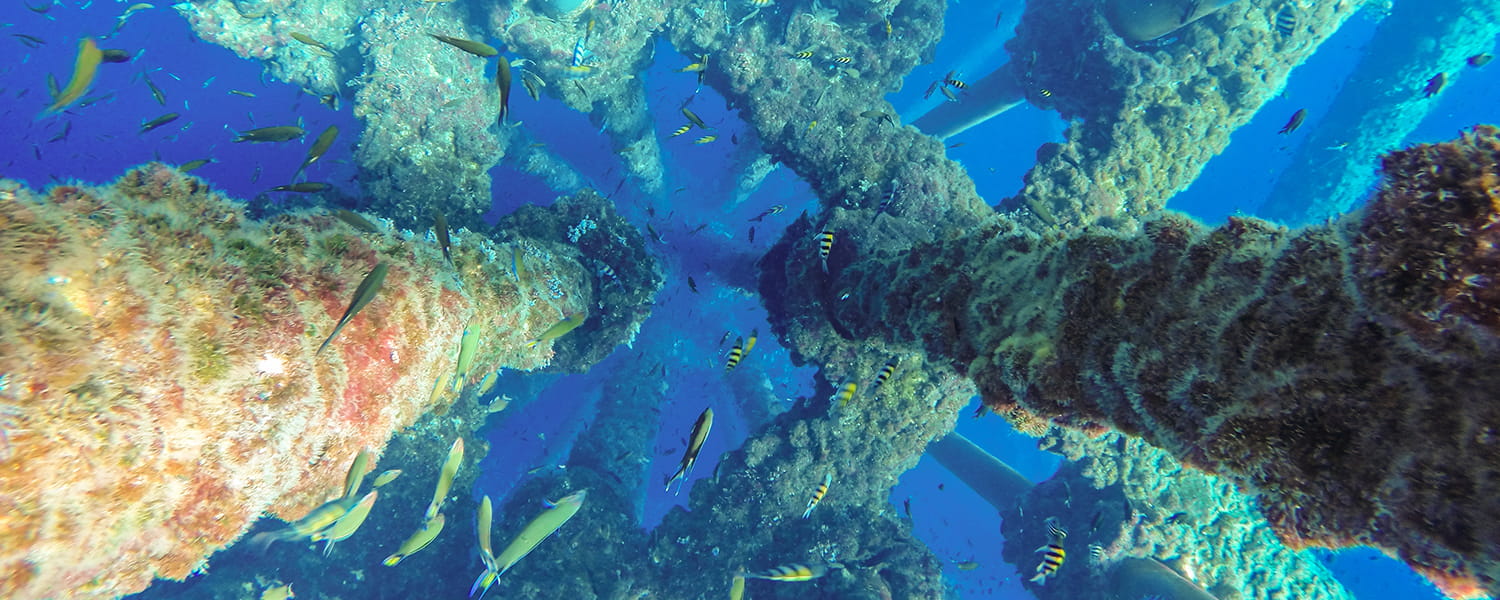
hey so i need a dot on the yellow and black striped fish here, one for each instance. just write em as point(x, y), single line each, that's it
point(884, 374)
point(1285, 20)
point(843, 60)
point(845, 393)
point(706, 139)
point(1046, 93)
point(825, 246)
point(735, 354)
point(682, 130)
point(1052, 553)
point(818, 494)
point(803, 55)
point(791, 573)
point(958, 83)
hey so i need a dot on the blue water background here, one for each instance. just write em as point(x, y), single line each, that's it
point(685, 330)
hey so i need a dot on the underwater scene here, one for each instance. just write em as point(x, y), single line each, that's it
point(750, 299)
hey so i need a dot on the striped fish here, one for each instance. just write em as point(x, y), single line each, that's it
point(736, 354)
point(682, 130)
point(793, 572)
point(884, 374)
point(845, 393)
point(1286, 20)
point(825, 246)
point(578, 53)
point(1052, 553)
point(817, 496)
point(890, 198)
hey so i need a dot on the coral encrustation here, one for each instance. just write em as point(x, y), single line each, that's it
point(159, 363)
point(1344, 372)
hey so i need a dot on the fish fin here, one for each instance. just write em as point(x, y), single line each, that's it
point(483, 583)
point(1040, 579)
point(808, 513)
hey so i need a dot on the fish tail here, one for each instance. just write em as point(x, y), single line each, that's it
point(483, 583)
point(261, 541)
point(1040, 579)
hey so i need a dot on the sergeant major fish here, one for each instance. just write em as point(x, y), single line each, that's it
point(825, 247)
point(1052, 553)
point(817, 495)
point(794, 572)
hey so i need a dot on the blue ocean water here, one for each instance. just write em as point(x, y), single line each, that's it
point(684, 333)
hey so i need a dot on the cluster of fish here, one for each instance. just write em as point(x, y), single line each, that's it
point(694, 121)
point(834, 61)
point(337, 519)
point(535, 532)
point(432, 520)
point(844, 393)
point(947, 85)
point(503, 74)
point(1434, 85)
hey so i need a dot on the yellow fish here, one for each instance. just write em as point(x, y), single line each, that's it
point(818, 494)
point(794, 572)
point(485, 516)
point(347, 524)
point(84, 68)
point(540, 528)
point(356, 473)
point(1052, 553)
point(280, 592)
point(825, 247)
point(737, 587)
point(735, 355)
point(845, 393)
point(561, 328)
point(468, 344)
point(884, 374)
point(706, 139)
point(682, 130)
point(386, 477)
point(445, 478)
point(417, 541)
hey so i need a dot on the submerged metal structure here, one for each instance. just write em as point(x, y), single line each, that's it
point(1338, 371)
